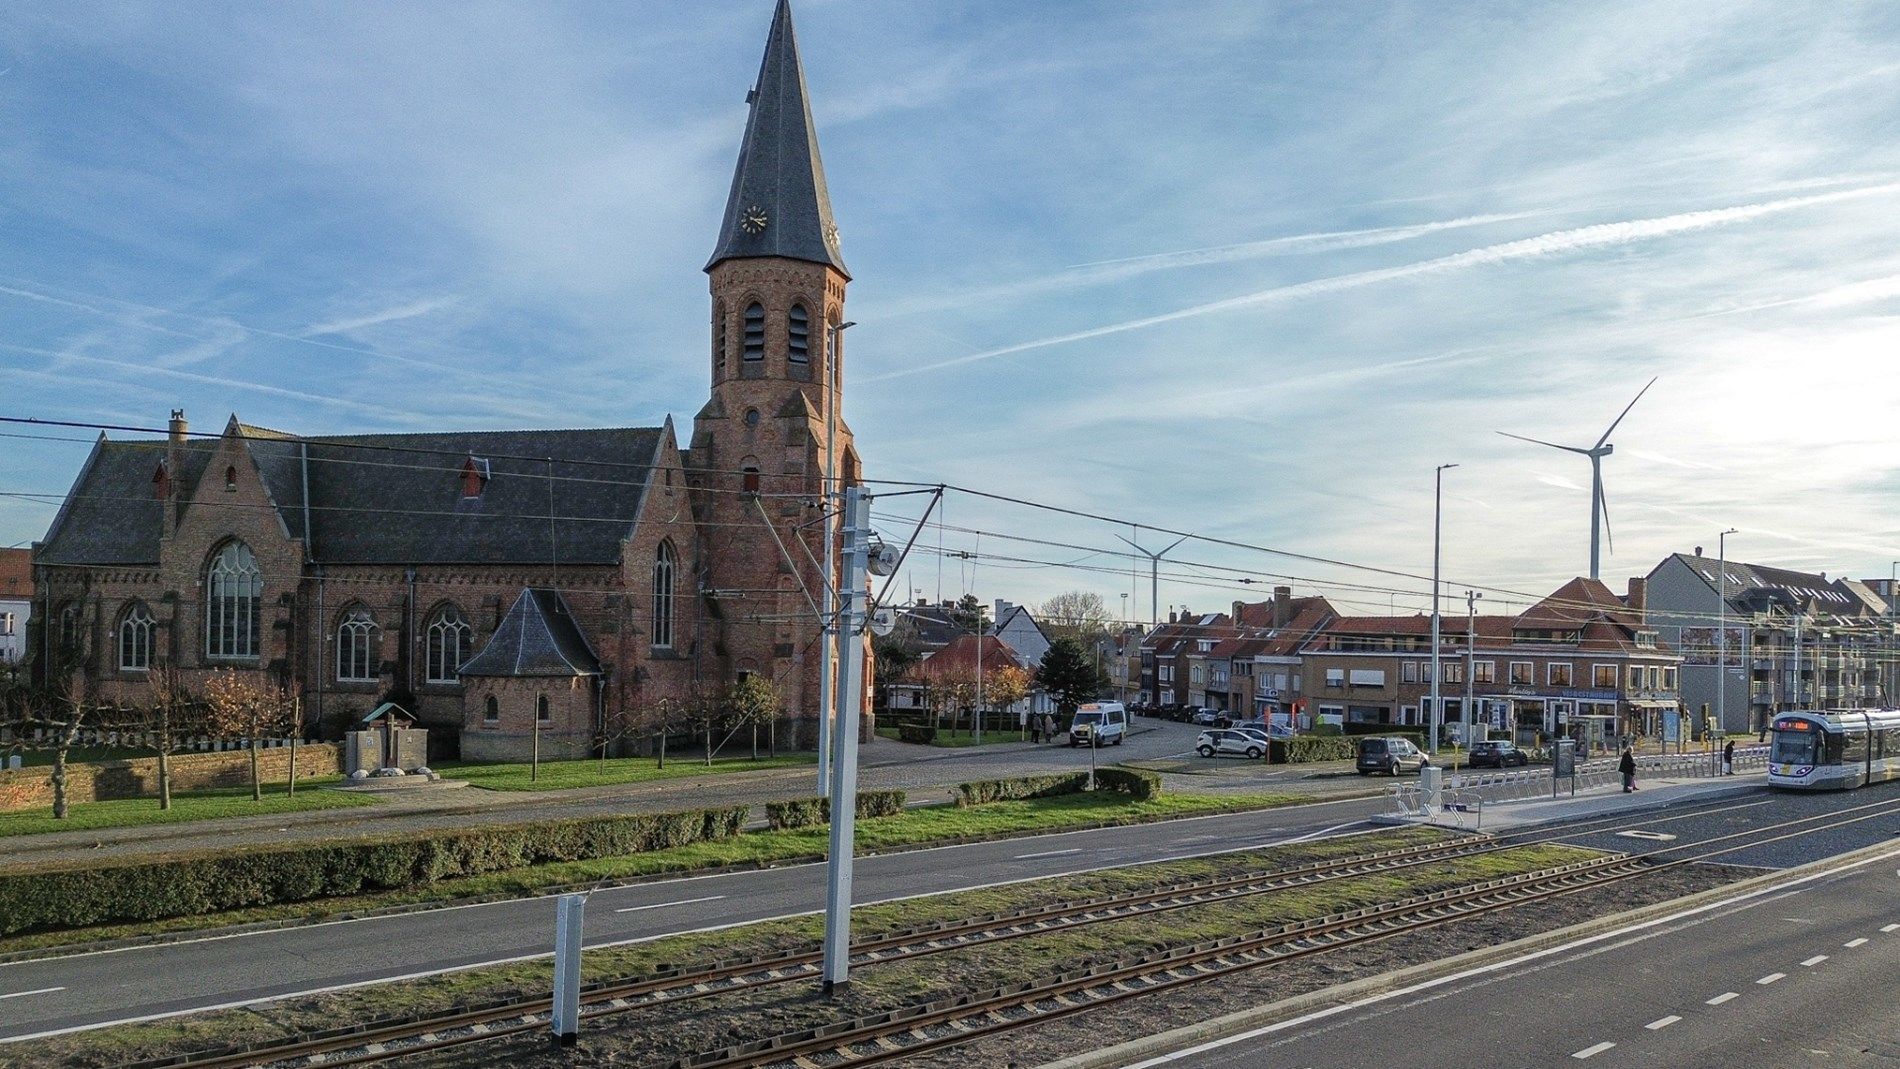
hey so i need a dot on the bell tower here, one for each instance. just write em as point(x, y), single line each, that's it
point(771, 436)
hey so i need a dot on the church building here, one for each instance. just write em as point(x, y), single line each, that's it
point(570, 584)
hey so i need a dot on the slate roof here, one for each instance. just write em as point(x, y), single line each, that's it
point(779, 172)
point(397, 503)
point(538, 637)
point(1807, 587)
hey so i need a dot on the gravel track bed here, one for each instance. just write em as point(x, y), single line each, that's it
point(649, 1036)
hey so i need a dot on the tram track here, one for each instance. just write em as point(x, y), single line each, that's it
point(381, 1041)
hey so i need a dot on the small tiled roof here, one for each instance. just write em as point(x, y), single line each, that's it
point(538, 637)
point(1576, 603)
point(960, 657)
point(16, 573)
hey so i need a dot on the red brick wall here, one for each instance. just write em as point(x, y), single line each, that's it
point(30, 788)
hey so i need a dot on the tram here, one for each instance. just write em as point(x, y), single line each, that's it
point(1840, 750)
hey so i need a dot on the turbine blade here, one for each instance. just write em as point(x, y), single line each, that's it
point(1626, 411)
point(1553, 445)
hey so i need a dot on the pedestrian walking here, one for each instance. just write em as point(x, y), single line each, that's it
point(1627, 766)
point(1728, 758)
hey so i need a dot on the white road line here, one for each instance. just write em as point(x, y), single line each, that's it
point(1050, 853)
point(663, 905)
point(35, 991)
point(1813, 961)
point(1851, 943)
point(1591, 1052)
point(1721, 998)
point(1891, 928)
point(1662, 1023)
point(1771, 978)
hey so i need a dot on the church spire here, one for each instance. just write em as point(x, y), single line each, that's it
point(778, 205)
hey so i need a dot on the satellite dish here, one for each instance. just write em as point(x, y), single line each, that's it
point(882, 560)
point(883, 621)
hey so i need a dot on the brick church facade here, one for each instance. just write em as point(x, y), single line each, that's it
point(503, 584)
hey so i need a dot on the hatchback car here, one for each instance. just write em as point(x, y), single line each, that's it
point(1237, 743)
point(1204, 716)
point(1389, 755)
point(1497, 753)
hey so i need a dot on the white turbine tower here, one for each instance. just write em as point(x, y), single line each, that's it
point(1599, 511)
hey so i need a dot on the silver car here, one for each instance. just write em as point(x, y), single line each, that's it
point(1236, 743)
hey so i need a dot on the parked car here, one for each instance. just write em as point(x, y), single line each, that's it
point(1203, 716)
point(1390, 755)
point(1497, 753)
point(1222, 741)
point(1260, 724)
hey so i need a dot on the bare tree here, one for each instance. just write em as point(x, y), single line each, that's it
point(1077, 614)
point(170, 716)
point(236, 706)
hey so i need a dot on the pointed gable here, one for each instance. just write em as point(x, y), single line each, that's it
point(778, 205)
point(538, 637)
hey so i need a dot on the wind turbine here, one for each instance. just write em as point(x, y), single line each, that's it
point(1599, 511)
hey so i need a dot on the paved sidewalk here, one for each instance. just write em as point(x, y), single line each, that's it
point(929, 774)
point(1595, 802)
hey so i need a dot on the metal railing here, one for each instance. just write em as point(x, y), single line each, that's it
point(1529, 783)
point(1460, 808)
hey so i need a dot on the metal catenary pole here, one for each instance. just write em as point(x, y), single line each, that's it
point(844, 757)
point(827, 502)
point(1721, 630)
point(1471, 664)
point(1438, 498)
point(567, 969)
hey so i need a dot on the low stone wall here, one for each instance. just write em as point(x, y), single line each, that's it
point(32, 788)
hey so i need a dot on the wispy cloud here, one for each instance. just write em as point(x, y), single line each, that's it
point(388, 315)
point(1601, 235)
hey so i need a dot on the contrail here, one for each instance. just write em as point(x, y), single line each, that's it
point(1597, 236)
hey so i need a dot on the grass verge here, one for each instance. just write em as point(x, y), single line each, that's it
point(186, 806)
point(918, 827)
point(567, 775)
point(959, 738)
point(873, 987)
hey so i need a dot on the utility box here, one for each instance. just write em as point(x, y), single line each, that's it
point(1431, 787)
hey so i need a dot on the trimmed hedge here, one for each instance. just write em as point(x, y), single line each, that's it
point(810, 812)
point(1132, 782)
point(918, 733)
point(192, 885)
point(1302, 748)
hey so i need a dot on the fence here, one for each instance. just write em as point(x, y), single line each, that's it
point(1459, 806)
point(1531, 783)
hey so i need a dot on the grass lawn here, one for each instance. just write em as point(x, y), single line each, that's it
point(912, 828)
point(566, 775)
point(81, 754)
point(959, 737)
point(186, 806)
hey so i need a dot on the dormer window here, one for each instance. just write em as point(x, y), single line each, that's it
point(475, 474)
point(162, 482)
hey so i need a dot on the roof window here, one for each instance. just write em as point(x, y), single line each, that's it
point(475, 474)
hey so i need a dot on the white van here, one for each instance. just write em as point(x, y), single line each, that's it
point(1104, 722)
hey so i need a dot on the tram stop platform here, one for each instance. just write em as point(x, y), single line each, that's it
point(1527, 802)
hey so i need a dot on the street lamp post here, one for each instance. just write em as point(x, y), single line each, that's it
point(827, 499)
point(1889, 699)
point(1471, 662)
point(1438, 501)
point(1721, 629)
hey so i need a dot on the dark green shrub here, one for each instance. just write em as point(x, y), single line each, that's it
point(1302, 748)
point(188, 885)
point(918, 733)
point(1133, 782)
point(810, 812)
point(1005, 790)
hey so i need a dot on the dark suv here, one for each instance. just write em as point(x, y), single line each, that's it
point(1496, 753)
point(1389, 755)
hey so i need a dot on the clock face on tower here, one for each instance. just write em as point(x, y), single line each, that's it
point(753, 220)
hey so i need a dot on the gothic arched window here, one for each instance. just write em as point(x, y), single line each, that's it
point(449, 637)
point(234, 592)
point(69, 628)
point(798, 335)
point(754, 332)
point(355, 647)
point(541, 713)
point(664, 565)
point(491, 710)
point(135, 640)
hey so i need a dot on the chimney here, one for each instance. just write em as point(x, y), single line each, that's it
point(178, 427)
point(1698, 551)
point(1238, 605)
point(1639, 596)
point(1282, 605)
point(1002, 609)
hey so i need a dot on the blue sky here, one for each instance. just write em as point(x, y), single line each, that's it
point(1247, 269)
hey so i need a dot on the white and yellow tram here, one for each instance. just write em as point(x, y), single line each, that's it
point(1835, 750)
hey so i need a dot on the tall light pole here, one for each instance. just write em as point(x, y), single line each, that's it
point(1888, 699)
point(1721, 629)
point(827, 502)
point(1154, 575)
point(1438, 502)
point(1471, 662)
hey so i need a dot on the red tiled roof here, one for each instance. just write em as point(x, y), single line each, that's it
point(959, 657)
point(16, 573)
point(1575, 602)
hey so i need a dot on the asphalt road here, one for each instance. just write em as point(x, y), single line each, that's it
point(64, 994)
point(1799, 977)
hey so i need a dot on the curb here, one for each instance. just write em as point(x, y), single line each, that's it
point(1344, 995)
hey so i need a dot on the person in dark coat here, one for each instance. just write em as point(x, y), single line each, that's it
point(1728, 758)
point(1627, 766)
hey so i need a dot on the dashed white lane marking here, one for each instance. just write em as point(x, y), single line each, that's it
point(1591, 1052)
point(1662, 1022)
point(35, 991)
point(1721, 998)
point(663, 905)
point(1771, 978)
point(1813, 961)
point(1890, 928)
point(1050, 853)
point(1851, 943)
